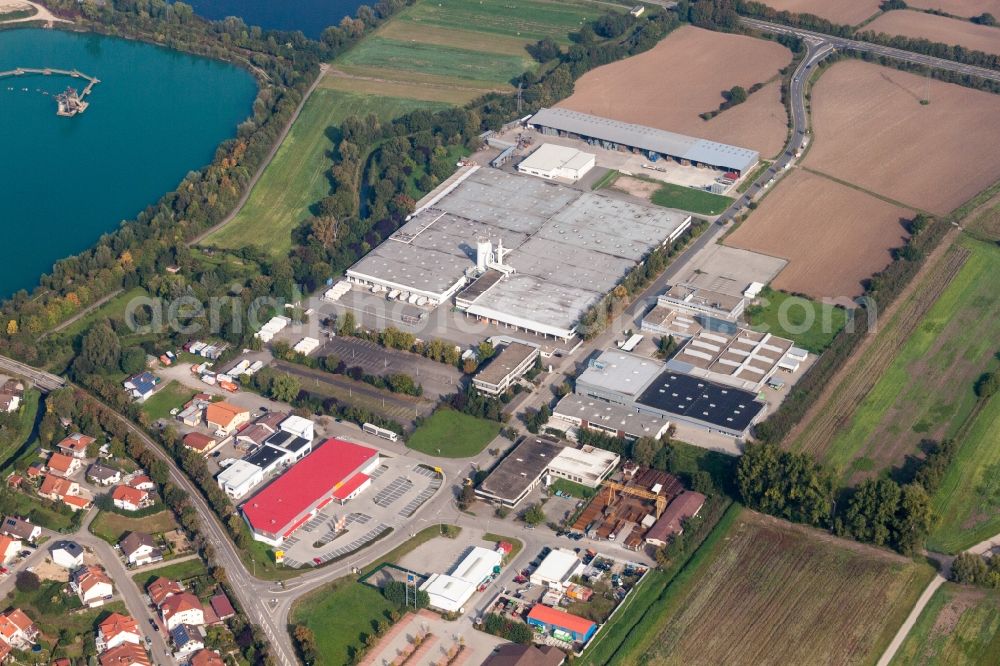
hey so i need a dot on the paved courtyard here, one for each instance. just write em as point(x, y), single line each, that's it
point(399, 488)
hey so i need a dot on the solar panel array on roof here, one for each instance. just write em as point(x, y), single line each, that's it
point(702, 400)
point(690, 148)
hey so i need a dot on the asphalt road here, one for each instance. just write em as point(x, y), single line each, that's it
point(854, 45)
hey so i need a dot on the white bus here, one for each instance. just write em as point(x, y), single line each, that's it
point(384, 433)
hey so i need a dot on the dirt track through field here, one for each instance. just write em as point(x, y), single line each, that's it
point(836, 406)
point(683, 76)
point(844, 12)
point(938, 29)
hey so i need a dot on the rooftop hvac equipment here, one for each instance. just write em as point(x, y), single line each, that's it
point(484, 254)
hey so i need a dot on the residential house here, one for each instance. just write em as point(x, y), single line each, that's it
point(92, 585)
point(36, 470)
point(142, 385)
point(139, 549)
point(103, 475)
point(187, 638)
point(76, 445)
point(117, 629)
point(225, 418)
point(20, 528)
point(161, 588)
point(9, 403)
point(200, 442)
point(130, 499)
point(67, 554)
point(63, 465)
point(141, 482)
point(126, 654)
point(183, 608)
point(206, 658)
point(59, 489)
point(17, 630)
point(9, 548)
point(14, 481)
point(222, 607)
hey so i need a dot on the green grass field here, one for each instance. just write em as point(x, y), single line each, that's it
point(960, 626)
point(113, 309)
point(180, 571)
point(168, 397)
point(529, 20)
point(690, 199)
point(450, 434)
point(809, 324)
point(14, 438)
point(928, 390)
point(968, 502)
point(297, 176)
point(766, 591)
point(458, 63)
point(112, 527)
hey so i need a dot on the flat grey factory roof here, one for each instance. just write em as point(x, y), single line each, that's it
point(647, 138)
point(568, 247)
point(620, 372)
point(599, 412)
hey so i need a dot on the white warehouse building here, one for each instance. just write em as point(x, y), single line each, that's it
point(450, 592)
point(552, 161)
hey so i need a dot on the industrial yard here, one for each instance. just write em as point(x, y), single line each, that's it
point(517, 250)
point(644, 89)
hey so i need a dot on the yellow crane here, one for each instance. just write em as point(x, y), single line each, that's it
point(614, 486)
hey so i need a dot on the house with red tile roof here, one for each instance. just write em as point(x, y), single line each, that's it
point(161, 588)
point(200, 442)
point(63, 464)
point(117, 629)
point(183, 608)
point(17, 630)
point(9, 548)
point(130, 499)
point(206, 657)
point(141, 482)
point(92, 585)
point(60, 489)
point(125, 654)
point(76, 445)
point(224, 417)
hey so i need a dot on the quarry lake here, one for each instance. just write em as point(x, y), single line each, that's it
point(309, 16)
point(155, 115)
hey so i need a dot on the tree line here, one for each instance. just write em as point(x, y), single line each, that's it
point(884, 511)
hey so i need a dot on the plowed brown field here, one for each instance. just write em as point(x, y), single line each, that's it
point(938, 29)
point(683, 76)
point(844, 12)
point(959, 7)
point(832, 235)
point(872, 130)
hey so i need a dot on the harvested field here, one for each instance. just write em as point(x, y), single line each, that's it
point(777, 593)
point(829, 414)
point(959, 7)
point(832, 235)
point(655, 89)
point(927, 391)
point(844, 12)
point(938, 29)
point(872, 130)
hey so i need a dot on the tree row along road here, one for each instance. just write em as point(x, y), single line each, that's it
point(878, 49)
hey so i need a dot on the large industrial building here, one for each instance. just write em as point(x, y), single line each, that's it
point(294, 497)
point(533, 458)
point(449, 592)
point(551, 161)
point(657, 389)
point(616, 135)
point(517, 251)
point(579, 411)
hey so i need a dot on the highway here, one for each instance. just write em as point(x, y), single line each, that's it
point(867, 47)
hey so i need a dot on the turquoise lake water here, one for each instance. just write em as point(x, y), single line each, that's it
point(156, 115)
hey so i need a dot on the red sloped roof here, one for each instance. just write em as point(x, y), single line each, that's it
point(307, 482)
point(561, 619)
point(350, 485)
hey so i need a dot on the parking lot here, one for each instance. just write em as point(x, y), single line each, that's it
point(399, 488)
point(437, 379)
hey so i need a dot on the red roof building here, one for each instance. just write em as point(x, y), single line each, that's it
point(161, 588)
point(222, 607)
point(288, 502)
point(206, 657)
point(199, 442)
point(554, 619)
point(126, 654)
point(671, 523)
point(352, 487)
